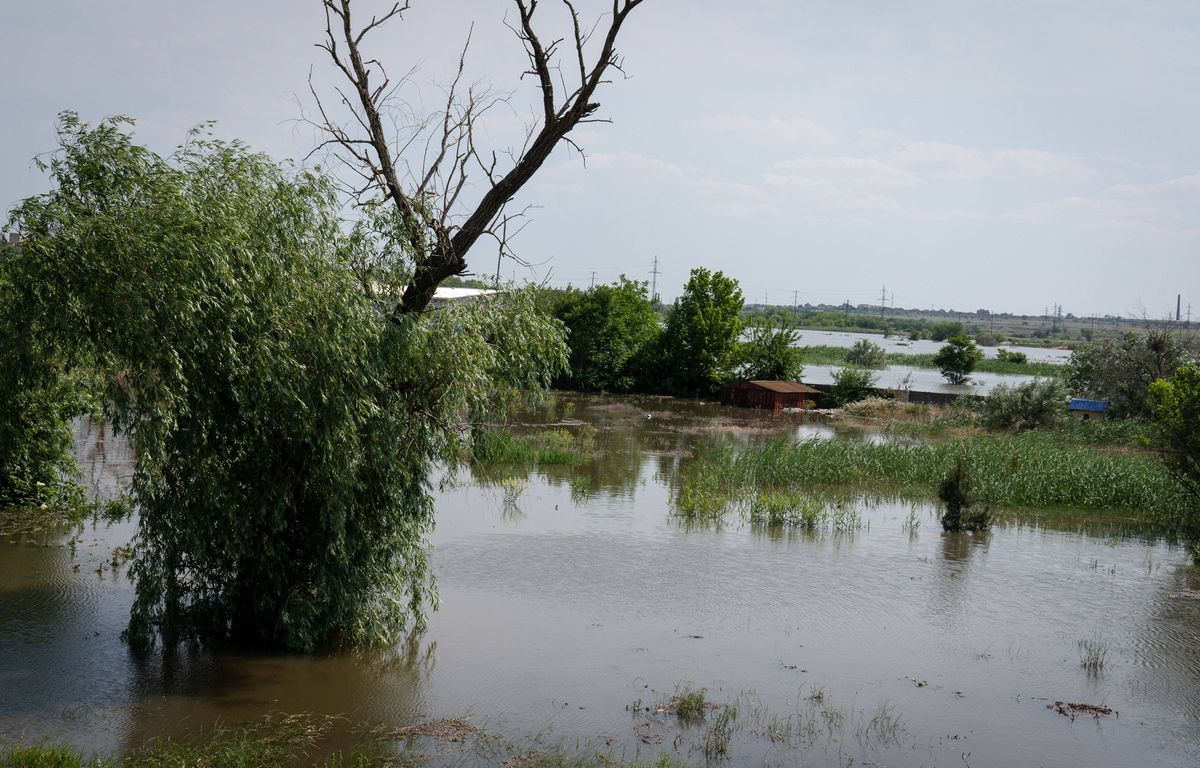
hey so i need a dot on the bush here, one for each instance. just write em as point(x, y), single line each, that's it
point(1177, 413)
point(957, 359)
point(851, 385)
point(1035, 404)
point(1010, 356)
point(1122, 371)
point(957, 493)
point(945, 329)
point(866, 354)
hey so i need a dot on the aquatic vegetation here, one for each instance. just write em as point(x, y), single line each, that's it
point(720, 732)
point(824, 355)
point(1093, 654)
point(688, 705)
point(957, 493)
point(493, 445)
point(1032, 470)
point(278, 740)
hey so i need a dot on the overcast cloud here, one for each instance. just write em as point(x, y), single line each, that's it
point(967, 154)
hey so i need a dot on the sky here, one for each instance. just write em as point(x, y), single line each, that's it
point(966, 154)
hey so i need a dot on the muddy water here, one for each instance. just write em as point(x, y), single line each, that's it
point(568, 595)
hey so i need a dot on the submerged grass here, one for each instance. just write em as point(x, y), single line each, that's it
point(290, 740)
point(1033, 470)
point(493, 445)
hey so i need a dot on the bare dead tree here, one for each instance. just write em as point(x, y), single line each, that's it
point(439, 226)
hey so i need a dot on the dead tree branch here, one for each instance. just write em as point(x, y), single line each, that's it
point(440, 227)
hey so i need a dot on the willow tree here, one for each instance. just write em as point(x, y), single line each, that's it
point(285, 389)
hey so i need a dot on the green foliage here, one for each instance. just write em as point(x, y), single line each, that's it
point(957, 493)
point(610, 328)
point(279, 740)
point(697, 348)
point(815, 355)
point(1034, 470)
point(1177, 413)
point(37, 462)
point(1121, 371)
point(946, 329)
point(770, 354)
point(1011, 356)
point(866, 354)
point(851, 385)
point(689, 705)
point(285, 426)
point(958, 358)
point(1037, 404)
point(492, 445)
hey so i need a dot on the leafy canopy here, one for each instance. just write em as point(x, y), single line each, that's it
point(1040, 403)
point(701, 335)
point(1122, 370)
point(867, 354)
point(1176, 403)
point(770, 354)
point(285, 426)
point(958, 358)
point(609, 328)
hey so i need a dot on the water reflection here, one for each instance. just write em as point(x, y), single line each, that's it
point(563, 586)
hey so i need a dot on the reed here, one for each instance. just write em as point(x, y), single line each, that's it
point(1033, 470)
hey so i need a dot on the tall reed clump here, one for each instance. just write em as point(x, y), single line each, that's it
point(1030, 470)
point(493, 445)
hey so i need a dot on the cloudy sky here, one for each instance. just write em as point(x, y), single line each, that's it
point(1004, 154)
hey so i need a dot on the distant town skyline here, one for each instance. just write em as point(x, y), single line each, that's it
point(999, 156)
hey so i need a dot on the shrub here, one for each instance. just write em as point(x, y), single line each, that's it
point(957, 493)
point(1011, 356)
point(866, 354)
point(851, 385)
point(1038, 403)
point(1122, 371)
point(957, 359)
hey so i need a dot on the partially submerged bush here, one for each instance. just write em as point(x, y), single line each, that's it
point(851, 385)
point(1012, 356)
point(958, 358)
point(1040, 403)
point(866, 354)
point(962, 511)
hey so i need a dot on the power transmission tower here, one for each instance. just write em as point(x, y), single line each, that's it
point(593, 285)
point(654, 273)
point(796, 304)
point(882, 301)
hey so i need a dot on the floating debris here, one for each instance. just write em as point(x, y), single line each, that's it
point(1073, 710)
point(453, 729)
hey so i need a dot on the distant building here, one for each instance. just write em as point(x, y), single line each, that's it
point(1088, 410)
point(444, 296)
point(773, 395)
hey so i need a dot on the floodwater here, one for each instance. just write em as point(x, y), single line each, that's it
point(921, 379)
point(901, 344)
point(570, 594)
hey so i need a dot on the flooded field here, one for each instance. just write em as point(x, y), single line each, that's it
point(901, 344)
point(574, 606)
point(920, 379)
